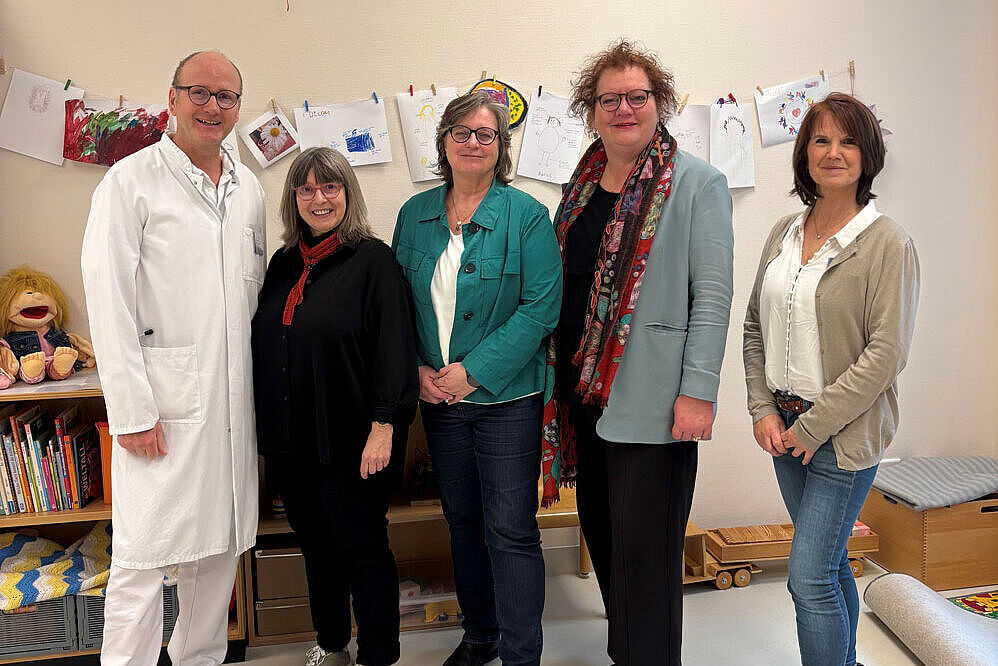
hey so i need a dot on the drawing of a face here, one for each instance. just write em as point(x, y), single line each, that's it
point(320, 213)
point(625, 131)
point(201, 129)
point(834, 159)
point(472, 159)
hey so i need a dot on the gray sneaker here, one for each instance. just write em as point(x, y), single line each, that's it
point(316, 656)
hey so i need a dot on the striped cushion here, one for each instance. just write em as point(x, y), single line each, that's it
point(928, 483)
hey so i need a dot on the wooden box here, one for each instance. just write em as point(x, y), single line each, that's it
point(769, 542)
point(280, 573)
point(283, 616)
point(945, 548)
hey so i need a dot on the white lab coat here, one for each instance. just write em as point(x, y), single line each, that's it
point(171, 288)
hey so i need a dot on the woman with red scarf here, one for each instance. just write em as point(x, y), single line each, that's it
point(646, 239)
point(334, 368)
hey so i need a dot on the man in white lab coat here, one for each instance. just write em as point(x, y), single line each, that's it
point(173, 258)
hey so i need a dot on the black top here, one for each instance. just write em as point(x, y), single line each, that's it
point(581, 252)
point(347, 359)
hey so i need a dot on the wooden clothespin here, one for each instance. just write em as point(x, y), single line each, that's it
point(682, 104)
point(273, 105)
point(121, 101)
point(375, 96)
point(3, 67)
point(484, 75)
point(433, 89)
point(852, 77)
point(760, 90)
point(822, 73)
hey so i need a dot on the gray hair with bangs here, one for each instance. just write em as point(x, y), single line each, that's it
point(328, 166)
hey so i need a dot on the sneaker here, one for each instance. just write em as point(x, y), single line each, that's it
point(316, 656)
point(473, 654)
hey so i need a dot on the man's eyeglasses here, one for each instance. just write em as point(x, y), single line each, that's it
point(484, 135)
point(226, 99)
point(635, 99)
point(329, 190)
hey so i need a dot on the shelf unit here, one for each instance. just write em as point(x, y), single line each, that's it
point(83, 386)
point(416, 532)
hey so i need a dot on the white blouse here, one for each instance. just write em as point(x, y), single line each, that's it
point(443, 291)
point(787, 309)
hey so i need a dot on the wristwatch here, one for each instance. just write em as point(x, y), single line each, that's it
point(473, 382)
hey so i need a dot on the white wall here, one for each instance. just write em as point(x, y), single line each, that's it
point(929, 67)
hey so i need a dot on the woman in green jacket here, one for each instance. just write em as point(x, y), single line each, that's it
point(482, 262)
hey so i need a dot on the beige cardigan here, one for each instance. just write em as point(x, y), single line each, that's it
point(865, 303)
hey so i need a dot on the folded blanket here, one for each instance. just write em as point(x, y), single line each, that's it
point(34, 569)
point(929, 483)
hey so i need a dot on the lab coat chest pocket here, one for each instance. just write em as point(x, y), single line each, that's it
point(253, 255)
point(173, 377)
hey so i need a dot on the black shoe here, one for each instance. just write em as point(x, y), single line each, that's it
point(473, 654)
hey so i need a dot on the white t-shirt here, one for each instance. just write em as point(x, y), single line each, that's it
point(443, 291)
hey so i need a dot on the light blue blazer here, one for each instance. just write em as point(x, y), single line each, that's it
point(680, 322)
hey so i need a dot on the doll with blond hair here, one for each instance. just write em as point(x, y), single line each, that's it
point(33, 343)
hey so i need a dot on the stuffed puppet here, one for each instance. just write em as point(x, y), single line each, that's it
point(34, 344)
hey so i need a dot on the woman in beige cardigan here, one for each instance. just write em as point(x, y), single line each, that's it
point(827, 331)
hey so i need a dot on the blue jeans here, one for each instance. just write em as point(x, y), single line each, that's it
point(824, 502)
point(486, 459)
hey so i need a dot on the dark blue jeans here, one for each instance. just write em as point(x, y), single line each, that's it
point(824, 502)
point(486, 459)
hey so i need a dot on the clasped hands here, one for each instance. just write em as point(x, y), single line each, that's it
point(776, 440)
point(449, 385)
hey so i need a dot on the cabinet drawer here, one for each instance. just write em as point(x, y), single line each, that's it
point(283, 616)
point(280, 573)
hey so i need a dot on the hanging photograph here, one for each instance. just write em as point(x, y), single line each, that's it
point(269, 138)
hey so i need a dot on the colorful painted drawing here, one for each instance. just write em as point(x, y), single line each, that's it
point(507, 95)
point(269, 138)
point(358, 129)
point(781, 109)
point(101, 132)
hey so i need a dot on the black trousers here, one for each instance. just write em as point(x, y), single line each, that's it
point(340, 520)
point(634, 502)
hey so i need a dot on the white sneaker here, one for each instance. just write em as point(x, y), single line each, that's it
point(316, 656)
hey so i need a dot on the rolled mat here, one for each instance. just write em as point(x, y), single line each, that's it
point(936, 630)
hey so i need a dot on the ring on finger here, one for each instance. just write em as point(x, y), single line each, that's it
point(695, 438)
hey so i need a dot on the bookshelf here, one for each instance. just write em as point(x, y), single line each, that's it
point(84, 388)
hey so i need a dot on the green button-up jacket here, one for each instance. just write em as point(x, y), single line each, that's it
point(509, 287)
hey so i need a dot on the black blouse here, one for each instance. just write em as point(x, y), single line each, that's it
point(581, 253)
point(348, 357)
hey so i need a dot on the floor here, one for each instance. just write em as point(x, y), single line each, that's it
point(749, 626)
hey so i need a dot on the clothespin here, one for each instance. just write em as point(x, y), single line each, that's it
point(3, 67)
point(121, 101)
point(732, 99)
point(682, 104)
point(852, 77)
point(484, 75)
point(760, 90)
point(720, 101)
point(493, 80)
point(306, 106)
point(273, 105)
point(822, 73)
point(410, 90)
point(375, 96)
point(68, 81)
point(433, 89)
point(538, 91)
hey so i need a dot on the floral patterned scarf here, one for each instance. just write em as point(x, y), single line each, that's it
point(620, 265)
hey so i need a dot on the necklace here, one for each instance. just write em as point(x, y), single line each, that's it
point(461, 219)
point(818, 234)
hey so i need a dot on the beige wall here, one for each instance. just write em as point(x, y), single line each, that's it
point(930, 68)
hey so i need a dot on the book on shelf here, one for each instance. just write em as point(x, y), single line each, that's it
point(46, 463)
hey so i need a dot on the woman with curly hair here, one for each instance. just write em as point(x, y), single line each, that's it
point(646, 240)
